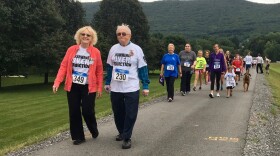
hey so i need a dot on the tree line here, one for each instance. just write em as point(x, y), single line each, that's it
point(35, 34)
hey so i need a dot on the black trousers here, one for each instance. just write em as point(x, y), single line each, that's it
point(125, 108)
point(259, 65)
point(81, 103)
point(186, 81)
point(170, 86)
point(217, 76)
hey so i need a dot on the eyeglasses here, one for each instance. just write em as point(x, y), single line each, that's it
point(187, 46)
point(84, 34)
point(122, 34)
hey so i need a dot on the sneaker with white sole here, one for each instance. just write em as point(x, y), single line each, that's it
point(218, 94)
point(211, 95)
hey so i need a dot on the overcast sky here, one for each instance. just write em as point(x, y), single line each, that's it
point(257, 1)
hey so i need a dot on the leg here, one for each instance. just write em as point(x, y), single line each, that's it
point(131, 103)
point(88, 111)
point(171, 87)
point(188, 81)
point(74, 104)
point(213, 76)
point(183, 82)
point(195, 80)
point(168, 86)
point(218, 78)
point(200, 78)
point(118, 107)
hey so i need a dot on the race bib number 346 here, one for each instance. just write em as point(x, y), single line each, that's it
point(120, 75)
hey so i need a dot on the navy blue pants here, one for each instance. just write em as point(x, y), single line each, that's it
point(81, 103)
point(125, 108)
point(186, 81)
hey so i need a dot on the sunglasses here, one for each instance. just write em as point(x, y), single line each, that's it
point(122, 34)
point(84, 34)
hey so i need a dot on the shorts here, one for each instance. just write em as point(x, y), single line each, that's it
point(248, 66)
point(229, 87)
point(237, 73)
point(198, 71)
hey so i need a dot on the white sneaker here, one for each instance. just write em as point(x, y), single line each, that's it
point(218, 94)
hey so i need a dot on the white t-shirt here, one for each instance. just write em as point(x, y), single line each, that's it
point(248, 59)
point(259, 59)
point(230, 81)
point(81, 63)
point(125, 61)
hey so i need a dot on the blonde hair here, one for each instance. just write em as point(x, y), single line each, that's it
point(124, 26)
point(92, 33)
point(200, 51)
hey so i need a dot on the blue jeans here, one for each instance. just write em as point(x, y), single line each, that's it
point(125, 108)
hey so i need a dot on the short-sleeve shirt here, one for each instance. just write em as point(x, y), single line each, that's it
point(81, 63)
point(125, 62)
point(248, 59)
point(230, 81)
point(187, 59)
point(200, 63)
point(170, 62)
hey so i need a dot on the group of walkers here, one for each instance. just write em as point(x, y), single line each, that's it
point(215, 67)
point(82, 70)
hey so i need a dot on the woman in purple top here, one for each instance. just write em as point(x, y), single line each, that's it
point(217, 67)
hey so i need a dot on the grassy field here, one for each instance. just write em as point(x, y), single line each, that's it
point(30, 113)
point(274, 82)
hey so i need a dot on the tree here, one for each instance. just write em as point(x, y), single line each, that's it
point(116, 12)
point(5, 26)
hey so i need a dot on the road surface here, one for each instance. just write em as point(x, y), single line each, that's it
point(192, 125)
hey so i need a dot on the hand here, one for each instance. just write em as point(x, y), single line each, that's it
point(180, 74)
point(107, 88)
point(192, 66)
point(161, 74)
point(145, 92)
point(54, 89)
point(204, 70)
point(98, 95)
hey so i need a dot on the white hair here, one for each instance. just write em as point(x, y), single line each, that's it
point(124, 26)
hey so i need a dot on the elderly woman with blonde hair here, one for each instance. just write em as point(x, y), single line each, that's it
point(82, 70)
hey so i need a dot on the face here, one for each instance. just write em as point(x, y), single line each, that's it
point(199, 54)
point(237, 56)
point(216, 48)
point(171, 48)
point(227, 52)
point(123, 36)
point(207, 54)
point(188, 47)
point(86, 37)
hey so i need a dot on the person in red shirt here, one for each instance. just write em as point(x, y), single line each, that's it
point(237, 65)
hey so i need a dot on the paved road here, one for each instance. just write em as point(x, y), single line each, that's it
point(193, 125)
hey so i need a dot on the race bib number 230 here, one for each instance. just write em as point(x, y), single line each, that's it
point(120, 75)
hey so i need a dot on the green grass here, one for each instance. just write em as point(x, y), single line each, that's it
point(274, 81)
point(31, 113)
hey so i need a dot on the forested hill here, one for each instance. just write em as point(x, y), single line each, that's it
point(207, 17)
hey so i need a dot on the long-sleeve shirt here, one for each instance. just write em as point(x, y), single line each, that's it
point(217, 62)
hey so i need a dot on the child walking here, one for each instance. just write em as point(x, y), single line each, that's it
point(230, 81)
point(200, 67)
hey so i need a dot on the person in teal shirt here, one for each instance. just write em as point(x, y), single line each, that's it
point(170, 69)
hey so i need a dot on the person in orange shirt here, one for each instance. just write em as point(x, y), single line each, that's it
point(237, 65)
point(83, 69)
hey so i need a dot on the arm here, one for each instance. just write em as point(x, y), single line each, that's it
point(143, 76)
point(161, 70)
point(61, 72)
point(99, 75)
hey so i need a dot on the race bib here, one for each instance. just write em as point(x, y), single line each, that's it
point(121, 75)
point(217, 65)
point(238, 69)
point(170, 67)
point(79, 78)
point(187, 64)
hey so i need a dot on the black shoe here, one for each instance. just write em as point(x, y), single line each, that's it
point(78, 142)
point(126, 144)
point(199, 88)
point(119, 137)
point(222, 88)
point(169, 99)
point(194, 88)
point(211, 95)
point(95, 134)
